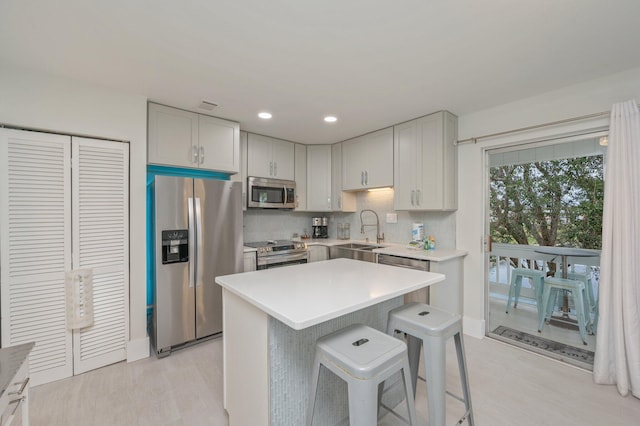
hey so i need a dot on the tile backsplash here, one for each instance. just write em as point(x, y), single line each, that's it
point(261, 225)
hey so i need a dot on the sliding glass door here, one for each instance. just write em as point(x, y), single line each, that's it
point(546, 193)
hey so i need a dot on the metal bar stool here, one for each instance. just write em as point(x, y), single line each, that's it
point(537, 282)
point(364, 358)
point(591, 304)
point(433, 327)
point(553, 285)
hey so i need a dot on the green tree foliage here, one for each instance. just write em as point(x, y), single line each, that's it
point(548, 203)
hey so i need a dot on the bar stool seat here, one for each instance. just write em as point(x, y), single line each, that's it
point(553, 285)
point(364, 358)
point(433, 327)
point(537, 282)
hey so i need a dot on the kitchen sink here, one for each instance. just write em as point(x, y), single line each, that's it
point(357, 251)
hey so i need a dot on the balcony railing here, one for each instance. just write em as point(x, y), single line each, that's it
point(504, 257)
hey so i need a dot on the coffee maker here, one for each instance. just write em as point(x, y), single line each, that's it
point(320, 227)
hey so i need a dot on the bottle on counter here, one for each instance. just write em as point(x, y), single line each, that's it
point(432, 243)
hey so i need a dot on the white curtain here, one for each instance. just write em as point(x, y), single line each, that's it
point(617, 357)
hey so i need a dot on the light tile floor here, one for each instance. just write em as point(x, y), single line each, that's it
point(509, 387)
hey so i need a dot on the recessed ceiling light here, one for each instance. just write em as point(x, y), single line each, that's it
point(265, 115)
point(331, 119)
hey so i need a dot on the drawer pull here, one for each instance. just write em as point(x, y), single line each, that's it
point(17, 402)
point(25, 382)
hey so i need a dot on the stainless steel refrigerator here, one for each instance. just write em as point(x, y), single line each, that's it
point(198, 236)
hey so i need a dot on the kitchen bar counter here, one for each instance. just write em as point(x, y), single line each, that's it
point(272, 319)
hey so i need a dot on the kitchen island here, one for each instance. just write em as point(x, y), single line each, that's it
point(272, 319)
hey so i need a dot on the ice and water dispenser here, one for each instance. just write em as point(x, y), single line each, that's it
point(175, 246)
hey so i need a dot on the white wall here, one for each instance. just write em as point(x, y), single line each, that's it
point(260, 225)
point(45, 102)
point(579, 100)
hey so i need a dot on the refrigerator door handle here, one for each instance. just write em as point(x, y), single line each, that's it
point(191, 243)
point(199, 250)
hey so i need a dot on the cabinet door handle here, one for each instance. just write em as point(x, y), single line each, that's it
point(418, 197)
point(361, 178)
point(194, 154)
point(270, 168)
point(201, 154)
point(329, 202)
point(413, 197)
point(275, 168)
point(366, 177)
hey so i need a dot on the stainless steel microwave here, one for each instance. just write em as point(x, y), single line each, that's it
point(265, 193)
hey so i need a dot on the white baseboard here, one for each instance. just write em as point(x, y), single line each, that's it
point(138, 349)
point(473, 327)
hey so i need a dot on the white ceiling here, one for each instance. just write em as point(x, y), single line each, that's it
point(373, 63)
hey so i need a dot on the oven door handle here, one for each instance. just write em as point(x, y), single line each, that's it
point(281, 258)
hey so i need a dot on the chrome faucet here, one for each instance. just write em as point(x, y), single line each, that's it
point(379, 238)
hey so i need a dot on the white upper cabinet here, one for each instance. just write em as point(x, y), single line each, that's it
point(219, 144)
point(173, 136)
point(301, 177)
point(242, 176)
point(319, 178)
point(340, 200)
point(186, 139)
point(425, 161)
point(367, 161)
point(270, 158)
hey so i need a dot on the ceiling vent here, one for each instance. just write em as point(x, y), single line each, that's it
point(208, 105)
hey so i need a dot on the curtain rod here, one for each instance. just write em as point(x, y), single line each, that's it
point(537, 126)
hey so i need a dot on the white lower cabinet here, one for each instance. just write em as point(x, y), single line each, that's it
point(54, 221)
point(250, 261)
point(14, 397)
point(447, 295)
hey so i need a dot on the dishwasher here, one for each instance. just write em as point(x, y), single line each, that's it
point(421, 295)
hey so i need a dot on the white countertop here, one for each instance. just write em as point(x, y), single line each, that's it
point(398, 249)
point(432, 255)
point(304, 295)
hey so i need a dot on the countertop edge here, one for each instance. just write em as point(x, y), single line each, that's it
point(397, 249)
point(332, 312)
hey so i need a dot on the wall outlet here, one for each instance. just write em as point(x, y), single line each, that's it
point(392, 217)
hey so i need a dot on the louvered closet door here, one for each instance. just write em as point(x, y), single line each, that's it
point(101, 242)
point(35, 246)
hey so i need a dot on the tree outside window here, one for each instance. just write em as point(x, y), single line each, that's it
point(548, 203)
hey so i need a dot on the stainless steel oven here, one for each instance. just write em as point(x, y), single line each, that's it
point(279, 253)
